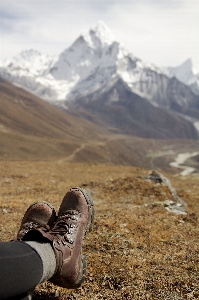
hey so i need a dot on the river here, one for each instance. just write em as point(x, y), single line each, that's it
point(180, 160)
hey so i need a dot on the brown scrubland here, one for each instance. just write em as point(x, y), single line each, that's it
point(137, 249)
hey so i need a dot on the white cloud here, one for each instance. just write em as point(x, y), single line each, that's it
point(161, 31)
point(163, 36)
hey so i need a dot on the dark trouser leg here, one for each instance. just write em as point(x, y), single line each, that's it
point(20, 270)
point(26, 296)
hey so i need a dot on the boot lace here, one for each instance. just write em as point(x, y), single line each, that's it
point(34, 225)
point(65, 226)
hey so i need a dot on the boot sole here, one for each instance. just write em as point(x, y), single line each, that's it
point(83, 273)
point(91, 210)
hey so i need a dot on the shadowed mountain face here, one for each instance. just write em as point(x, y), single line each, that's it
point(119, 108)
point(179, 95)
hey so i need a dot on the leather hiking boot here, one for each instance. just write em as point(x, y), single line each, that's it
point(74, 220)
point(39, 215)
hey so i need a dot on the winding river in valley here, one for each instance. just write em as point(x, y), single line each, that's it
point(180, 160)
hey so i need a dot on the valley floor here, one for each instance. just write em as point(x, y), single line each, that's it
point(136, 250)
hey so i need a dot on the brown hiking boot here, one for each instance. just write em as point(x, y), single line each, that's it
point(74, 220)
point(39, 215)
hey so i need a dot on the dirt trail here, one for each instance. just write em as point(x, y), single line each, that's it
point(71, 157)
point(103, 143)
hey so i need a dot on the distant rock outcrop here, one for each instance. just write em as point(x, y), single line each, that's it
point(175, 204)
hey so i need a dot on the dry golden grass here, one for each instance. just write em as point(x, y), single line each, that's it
point(136, 250)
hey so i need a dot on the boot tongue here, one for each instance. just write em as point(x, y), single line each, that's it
point(38, 235)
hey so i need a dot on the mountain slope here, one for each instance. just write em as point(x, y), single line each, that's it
point(27, 114)
point(118, 107)
point(31, 128)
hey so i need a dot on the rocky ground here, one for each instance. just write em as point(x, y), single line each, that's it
point(138, 248)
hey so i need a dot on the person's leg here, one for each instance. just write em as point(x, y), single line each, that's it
point(23, 297)
point(21, 269)
point(23, 265)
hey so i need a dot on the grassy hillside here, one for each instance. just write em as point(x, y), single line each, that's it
point(136, 250)
point(31, 129)
point(25, 113)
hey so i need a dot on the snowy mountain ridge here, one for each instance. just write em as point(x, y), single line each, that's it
point(185, 73)
point(97, 78)
point(92, 63)
point(92, 60)
point(30, 62)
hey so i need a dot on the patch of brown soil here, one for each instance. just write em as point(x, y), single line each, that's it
point(136, 250)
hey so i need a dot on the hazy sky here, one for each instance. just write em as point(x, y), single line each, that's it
point(164, 32)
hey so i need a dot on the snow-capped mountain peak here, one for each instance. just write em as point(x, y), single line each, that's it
point(93, 60)
point(95, 51)
point(101, 35)
point(188, 67)
point(29, 62)
point(185, 73)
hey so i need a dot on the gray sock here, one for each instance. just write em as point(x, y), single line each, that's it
point(47, 256)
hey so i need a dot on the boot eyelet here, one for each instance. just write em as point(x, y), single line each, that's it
point(72, 226)
point(68, 240)
point(74, 213)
